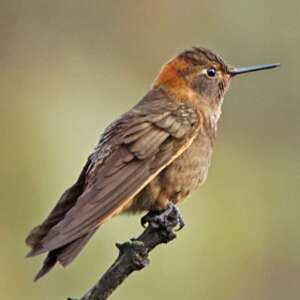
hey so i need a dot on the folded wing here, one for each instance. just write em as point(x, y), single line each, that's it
point(131, 152)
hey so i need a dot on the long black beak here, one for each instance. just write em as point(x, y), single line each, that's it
point(236, 71)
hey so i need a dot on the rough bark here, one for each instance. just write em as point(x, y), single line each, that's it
point(133, 256)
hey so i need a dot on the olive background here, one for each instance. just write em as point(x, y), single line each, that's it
point(68, 68)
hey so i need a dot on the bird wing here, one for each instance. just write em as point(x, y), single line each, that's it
point(131, 152)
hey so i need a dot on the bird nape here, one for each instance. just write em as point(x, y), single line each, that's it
point(148, 160)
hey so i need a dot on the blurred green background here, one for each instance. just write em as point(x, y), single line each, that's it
point(68, 68)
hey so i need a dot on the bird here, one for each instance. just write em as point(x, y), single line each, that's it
point(148, 160)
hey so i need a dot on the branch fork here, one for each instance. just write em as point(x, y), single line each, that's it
point(133, 254)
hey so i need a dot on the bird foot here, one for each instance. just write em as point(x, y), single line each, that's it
point(169, 218)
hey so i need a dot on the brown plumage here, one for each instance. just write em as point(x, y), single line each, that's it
point(159, 151)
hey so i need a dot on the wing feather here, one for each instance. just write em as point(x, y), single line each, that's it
point(132, 151)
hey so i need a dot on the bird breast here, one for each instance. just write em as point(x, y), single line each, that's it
point(177, 180)
point(188, 171)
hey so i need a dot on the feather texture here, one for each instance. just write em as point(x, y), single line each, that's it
point(131, 152)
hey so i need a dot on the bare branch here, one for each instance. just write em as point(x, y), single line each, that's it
point(133, 256)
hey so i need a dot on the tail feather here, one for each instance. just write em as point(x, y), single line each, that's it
point(48, 264)
point(65, 203)
point(64, 255)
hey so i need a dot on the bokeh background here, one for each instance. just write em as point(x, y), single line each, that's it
point(68, 68)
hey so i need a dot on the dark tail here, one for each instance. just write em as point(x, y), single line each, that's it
point(64, 255)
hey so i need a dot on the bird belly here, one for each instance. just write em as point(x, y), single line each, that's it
point(176, 181)
point(188, 171)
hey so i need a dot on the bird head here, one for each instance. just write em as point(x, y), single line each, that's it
point(200, 75)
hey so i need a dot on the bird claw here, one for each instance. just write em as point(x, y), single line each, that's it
point(170, 217)
point(148, 218)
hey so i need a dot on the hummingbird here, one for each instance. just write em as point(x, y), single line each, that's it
point(148, 160)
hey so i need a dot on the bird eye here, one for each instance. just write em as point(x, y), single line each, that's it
point(211, 72)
